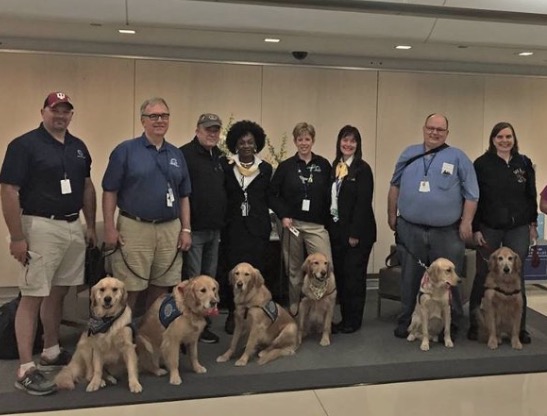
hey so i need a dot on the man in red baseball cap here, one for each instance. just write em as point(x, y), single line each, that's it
point(45, 182)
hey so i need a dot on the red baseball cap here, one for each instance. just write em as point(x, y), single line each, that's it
point(55, 98)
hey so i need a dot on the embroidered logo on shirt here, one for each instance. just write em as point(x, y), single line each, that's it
point(174, 162)
point(80, 154)
point(520, 174)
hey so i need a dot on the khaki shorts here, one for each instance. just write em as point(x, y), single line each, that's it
point(57, 255)
point(149, 250)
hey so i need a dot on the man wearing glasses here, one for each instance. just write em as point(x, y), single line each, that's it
point(45, 183)
point(147, 179)
point(431, 203)
point(208, 202)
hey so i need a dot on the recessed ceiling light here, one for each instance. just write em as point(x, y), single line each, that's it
point(526, 53)
point(127, 31)
point(272, 40)
point(405, 47)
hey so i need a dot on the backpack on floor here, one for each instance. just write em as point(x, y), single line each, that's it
point(8, 342)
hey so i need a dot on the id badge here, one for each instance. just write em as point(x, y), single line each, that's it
point(424, 186)
point(245, 208)
point(169, 200)
point(65, 187)
point(305, 205)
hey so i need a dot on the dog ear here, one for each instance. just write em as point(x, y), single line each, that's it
point(257, 277)
point(306, 266)
point(330, 269)
point(188, 291)
point(124, 294)
point(232, 276)
point(517, 264)
point(93, 295)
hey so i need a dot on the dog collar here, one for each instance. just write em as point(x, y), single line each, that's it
point(101, 325)
point(168, 310)
point(500, 290)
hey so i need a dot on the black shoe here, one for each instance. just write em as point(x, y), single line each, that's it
point(473, 333)
point(208, 337)
point(349, 329)
point(336, 328)
point(524, 337)
point(400, 332)
point(230, 324)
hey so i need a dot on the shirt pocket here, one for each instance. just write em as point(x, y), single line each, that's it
point(447, 182)
point(33, 275)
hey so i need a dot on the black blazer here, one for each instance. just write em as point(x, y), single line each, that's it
point(355, 213)
point(258, 221)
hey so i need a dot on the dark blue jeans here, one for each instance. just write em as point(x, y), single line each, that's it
point(427, 244)
point(518, 240)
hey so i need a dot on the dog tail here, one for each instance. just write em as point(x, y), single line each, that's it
point(71, 373)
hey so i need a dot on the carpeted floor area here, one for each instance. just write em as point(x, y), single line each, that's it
point(371, 355)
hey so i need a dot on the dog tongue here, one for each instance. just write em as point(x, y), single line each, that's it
point(212, 311)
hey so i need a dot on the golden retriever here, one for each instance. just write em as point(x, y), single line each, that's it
point(501, 306)
point(318, 298)
point(267, 324)
point(108, 343)
point(432, 312)
point(195, 298)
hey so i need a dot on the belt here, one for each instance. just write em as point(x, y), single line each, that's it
point(454, 225)
point(64, 217)
point(134, 217)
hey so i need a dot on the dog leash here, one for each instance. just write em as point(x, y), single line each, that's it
point(416, 258)
point(124, 258)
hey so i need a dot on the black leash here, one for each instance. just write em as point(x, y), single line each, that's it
point(124, 258)
point(416, 258)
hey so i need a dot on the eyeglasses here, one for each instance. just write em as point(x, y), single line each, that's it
point(156, 117)
point(435, 129)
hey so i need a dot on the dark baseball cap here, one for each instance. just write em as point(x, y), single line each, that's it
point(57, 97)
point(209, 120)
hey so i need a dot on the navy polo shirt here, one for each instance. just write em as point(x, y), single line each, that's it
point(141, 176)
point(37, 162)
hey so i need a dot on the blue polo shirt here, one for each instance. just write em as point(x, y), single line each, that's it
point(36, 162)
point(451, 178)
point(141, 175)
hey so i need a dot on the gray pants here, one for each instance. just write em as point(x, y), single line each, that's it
point(202, 258)
point(426, 244)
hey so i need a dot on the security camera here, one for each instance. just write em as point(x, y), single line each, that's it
point(300, 55)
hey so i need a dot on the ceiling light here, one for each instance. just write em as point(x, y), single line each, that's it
point(404, 47)
point(526, 53)
point(272, 40)
point(127, 31)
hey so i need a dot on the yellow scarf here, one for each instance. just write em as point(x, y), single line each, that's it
point(341, 170)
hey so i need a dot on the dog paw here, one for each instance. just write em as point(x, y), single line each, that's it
point(175, 380)
point(448, 343)
point(411, 337)
point(424, 346)
point(516, 345)
point(95, 385)
point(199, 369)
point(135, 387)
point(325, 342)
point(223, 358)
point(111, 379)
point(160, 372)
point(493, 344)
point(242, 362)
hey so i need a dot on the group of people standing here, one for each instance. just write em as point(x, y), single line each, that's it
point(190, 198)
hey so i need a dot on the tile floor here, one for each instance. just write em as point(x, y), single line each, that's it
point(512, 395)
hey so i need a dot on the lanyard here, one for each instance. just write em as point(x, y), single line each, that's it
point(428, 165)
point(306, 180)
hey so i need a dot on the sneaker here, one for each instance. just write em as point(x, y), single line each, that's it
point(400, 332)
point(35, 382)
point(56, 364)
point(208, 337)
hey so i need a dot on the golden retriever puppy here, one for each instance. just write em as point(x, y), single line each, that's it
point(266, 324)
point(432, 312)
point(107, 344)
point(174, 319)
point(316, 308)
point(501, 306)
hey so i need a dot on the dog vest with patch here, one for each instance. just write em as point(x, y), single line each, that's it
point(270, 309)
point(101, 325)
point(169, 311)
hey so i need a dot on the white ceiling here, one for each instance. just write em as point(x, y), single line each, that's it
point(446, 35)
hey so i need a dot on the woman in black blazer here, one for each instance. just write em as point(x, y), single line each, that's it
point(248, 223)
point(352, 227)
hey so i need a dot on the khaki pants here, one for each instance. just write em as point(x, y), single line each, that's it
point(313, 238)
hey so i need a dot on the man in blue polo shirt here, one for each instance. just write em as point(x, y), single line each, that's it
point(147, 179)
point(46, 176)
point(434, 188)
